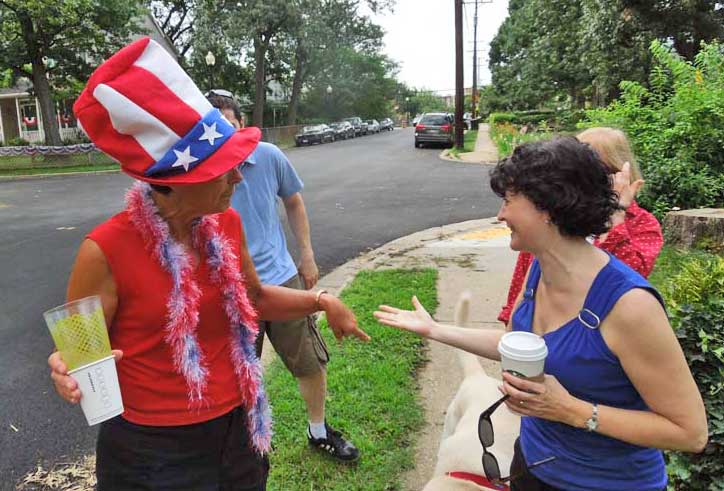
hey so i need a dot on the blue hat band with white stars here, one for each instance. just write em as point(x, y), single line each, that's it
point(206, 137)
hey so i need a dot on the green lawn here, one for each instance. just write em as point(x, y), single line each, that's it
point(372, 395)
point(55, 164)
point(468, 143)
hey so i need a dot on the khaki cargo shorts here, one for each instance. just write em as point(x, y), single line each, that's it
point(297, 342)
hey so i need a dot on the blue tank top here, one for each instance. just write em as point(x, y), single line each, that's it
point(582, 362)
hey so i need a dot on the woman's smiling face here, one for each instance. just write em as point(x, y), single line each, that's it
point(526, 222)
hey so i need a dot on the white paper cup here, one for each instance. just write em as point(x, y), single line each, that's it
point(523, 354)
point(100, 393)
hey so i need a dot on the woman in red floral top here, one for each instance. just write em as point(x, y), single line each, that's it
point(635, 234)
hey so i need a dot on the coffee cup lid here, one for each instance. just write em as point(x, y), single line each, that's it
point(523, 346)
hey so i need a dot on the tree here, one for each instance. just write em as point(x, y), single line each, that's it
point(536, 55)
point(74, 33)
point(176, 19)
point(685, 23)
point(321, 27)
point(617, 47)
point(363, 85)
point(256, 22)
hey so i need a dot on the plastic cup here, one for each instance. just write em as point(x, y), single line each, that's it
point(80, 334)
point(523, 354)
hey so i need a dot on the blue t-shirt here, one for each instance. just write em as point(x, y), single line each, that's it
point(268, 174)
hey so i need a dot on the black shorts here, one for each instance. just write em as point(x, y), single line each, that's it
point(211, 456)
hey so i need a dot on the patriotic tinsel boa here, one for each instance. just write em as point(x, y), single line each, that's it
point(182, 316)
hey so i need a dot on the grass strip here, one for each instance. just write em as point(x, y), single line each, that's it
point(372, 394)
point(58, 170)
point(469, 139)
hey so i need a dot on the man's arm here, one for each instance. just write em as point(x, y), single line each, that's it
point(299, 223)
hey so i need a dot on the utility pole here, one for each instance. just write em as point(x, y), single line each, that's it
point(459, 90)
point(474, 110)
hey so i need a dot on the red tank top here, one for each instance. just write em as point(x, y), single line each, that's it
point(153, 392)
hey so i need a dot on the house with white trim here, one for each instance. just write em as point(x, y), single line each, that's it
point(20, 115)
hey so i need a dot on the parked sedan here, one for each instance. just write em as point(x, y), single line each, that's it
point(356, 123)
point(342, 130)
point(319, 133)
point(373, 126)
point(434, 128)
point(387, 124)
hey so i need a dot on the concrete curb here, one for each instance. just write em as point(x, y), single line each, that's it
point(445, 156)
point(57, 175)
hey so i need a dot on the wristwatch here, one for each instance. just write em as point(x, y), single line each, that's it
point(592, 422)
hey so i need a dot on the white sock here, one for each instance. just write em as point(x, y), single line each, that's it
point(317, 430)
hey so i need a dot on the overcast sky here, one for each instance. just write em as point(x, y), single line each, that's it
point(420, 36)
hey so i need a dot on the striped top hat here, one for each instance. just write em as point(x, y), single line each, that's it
point(143, 110)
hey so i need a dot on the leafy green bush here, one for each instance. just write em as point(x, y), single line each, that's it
point(17, 142)
point(695, 301)
point(507, 136)
point(676, 127)
point(558, 120)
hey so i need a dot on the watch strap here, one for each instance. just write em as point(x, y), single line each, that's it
point(592, 422)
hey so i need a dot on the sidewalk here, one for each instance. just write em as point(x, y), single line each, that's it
point(471, 255)
point(485, 150)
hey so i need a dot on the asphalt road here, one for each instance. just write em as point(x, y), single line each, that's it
point(359, 195)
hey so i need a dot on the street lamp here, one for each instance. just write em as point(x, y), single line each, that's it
point(407, 109)
point(210, 60)
point(328, 98)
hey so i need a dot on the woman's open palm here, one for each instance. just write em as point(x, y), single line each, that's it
point(418, 321)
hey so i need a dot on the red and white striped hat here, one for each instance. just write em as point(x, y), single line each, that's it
point(143, 110)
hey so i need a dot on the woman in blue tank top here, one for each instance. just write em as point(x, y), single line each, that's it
point(617, 388)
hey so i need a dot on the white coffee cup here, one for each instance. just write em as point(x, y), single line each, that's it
point(100, 397)
point(523, 354)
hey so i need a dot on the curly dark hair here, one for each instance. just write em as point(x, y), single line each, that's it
point(564, 178)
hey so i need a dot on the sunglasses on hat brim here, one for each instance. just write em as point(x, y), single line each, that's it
point(219, 92)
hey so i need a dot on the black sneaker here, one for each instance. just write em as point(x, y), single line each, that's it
point(334, 445)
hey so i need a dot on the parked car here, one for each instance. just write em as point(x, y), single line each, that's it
point(416, 119)
point(373, 126)
point(356, 123)
point(365, 128)
point(318, 133)
point(434, 128)
point(342, 130)
point(387, 124)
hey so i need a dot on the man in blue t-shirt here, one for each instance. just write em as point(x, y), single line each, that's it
point(267, 176)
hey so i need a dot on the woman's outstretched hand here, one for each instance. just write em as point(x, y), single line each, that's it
point(417, 321)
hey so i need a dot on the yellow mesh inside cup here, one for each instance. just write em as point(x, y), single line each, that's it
point(81, 338)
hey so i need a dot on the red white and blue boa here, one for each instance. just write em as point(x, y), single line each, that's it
point(182, 316)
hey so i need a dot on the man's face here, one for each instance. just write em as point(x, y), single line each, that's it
point(229, 114)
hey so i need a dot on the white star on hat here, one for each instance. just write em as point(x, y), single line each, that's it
point(210, 133)
point(183, 159)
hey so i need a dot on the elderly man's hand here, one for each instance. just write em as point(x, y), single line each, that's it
point(340, 319)
point(65, 386)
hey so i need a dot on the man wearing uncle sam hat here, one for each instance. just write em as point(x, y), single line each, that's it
point(179, 291)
